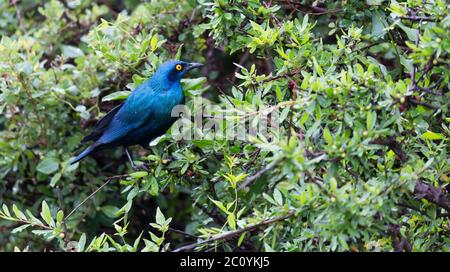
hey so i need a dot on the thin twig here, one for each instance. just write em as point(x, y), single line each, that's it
point(182, 232)
point(19, 17)
point(281, 76)
point(418, 18)
point(232, 234)
point(254, 177)
point(61, 207)
point(413, 70)
point(93, 193)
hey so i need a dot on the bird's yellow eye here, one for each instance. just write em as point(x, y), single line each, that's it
point(179, 67)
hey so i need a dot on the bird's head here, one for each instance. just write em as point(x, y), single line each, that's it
point(174, 70)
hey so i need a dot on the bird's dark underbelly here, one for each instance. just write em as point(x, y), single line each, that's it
point(145, 134)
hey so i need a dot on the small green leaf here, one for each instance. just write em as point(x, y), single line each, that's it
point(18, 213)
point(20, 228)
point(55, 179)
point(219, 205)
point(47, 166)
point(69, 51)
point(139, 174)
point(116, 96)
point(154, 43)
point(160, 219)
point(371, 120)
point(429, 135)
point(327, 135)
point(241, 239)
point(278, 197)
point(45, 213)
point(6, 210)
point(81, 243)
point(60, 216)
point(231, 219)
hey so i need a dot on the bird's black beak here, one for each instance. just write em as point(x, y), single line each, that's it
point(194, 65)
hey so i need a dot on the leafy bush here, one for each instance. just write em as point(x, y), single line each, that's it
point(359, 162)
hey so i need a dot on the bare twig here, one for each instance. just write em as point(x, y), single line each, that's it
point(254, 177)
point(182, 232)
point(19, 17)
point(310, 10)
point(231, 234)
point(281, 76)
point(413, 70)
point(418, 18)
point(61, 207)
point(108, 180)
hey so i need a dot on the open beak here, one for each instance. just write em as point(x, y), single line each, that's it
point(194, 65)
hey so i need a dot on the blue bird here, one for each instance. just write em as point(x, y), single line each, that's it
point(145, 114)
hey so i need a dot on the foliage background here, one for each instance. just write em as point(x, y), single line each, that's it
point(361, 165)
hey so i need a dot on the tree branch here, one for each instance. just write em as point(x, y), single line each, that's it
point(232, 234)
point(432, 194)
point(254, 177)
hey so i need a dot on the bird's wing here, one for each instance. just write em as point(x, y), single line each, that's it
point(101, 125)
point(137, 110)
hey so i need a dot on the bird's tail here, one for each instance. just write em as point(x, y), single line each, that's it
point(83, 154)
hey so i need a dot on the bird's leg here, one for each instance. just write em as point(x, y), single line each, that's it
point(134, 166)
point(130, 158)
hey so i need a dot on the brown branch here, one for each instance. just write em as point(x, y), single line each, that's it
point(31, 223)
point(310, 10)
point(418, 18)
point(413, 70)
point(61, 207)
point(399, 242)
point(231, 234)
point(182, 232)
point(393, 145)
point(281, 76)
point(432, 194)
point(425, 104)
point(19, 17)
point(254, 177)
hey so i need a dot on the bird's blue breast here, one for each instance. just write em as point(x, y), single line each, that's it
point(154, 102)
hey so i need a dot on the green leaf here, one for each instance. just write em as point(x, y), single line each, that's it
point(18, 213)
point(231, 219)
point(150, 246)
point(45, 213)
point(69, 51)
point(154, 43)
point(278, 197)
point(219, 205)
point(20, 228)
point(59, 216)
point(116, 96)
point(139, 174)
point(429, 135)
point(55, 179)
point(48, 166)
point(6, 210)
point(154, 187)
point(327, 135)
point(317, 67)
point(110, 211)
point(241, 239)
point(81, 243)
point(160, 219)
point(371, 120)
